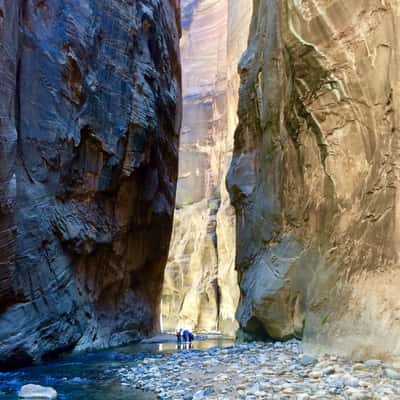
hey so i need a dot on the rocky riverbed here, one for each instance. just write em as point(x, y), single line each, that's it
point(261, 371)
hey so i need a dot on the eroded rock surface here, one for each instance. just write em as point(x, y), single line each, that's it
point(200, 288)
point(90, 118)
point(315, 175)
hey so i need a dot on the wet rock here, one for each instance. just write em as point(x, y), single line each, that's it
point(37, 392)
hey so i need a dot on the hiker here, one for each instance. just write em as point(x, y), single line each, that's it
point(191, 338)
point(186, 335)
point(179, 336)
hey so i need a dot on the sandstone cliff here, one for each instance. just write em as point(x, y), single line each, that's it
point(315, 175)
point(90, 118)
point(200, 288)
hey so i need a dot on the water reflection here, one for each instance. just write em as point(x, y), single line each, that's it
point(184, 346)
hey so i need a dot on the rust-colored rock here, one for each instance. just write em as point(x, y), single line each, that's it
point(315, 175)
point(90, 118)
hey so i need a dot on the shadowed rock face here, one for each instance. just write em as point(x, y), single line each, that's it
point(90, 117)
point(200, 287)
point(315, 175)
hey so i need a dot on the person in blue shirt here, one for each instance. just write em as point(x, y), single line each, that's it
point(186, 335)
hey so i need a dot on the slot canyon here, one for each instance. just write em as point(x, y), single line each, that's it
point(228, 166)
point(201, 285)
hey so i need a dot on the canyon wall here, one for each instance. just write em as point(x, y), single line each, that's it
point(90, 120)
point(200, 287)
point(315, 175)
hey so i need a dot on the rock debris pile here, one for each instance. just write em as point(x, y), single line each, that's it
point(262, 371)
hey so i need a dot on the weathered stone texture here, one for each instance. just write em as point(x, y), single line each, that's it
point(239, 16)
point(200, 288)
point(315, 175)
point(90, 117)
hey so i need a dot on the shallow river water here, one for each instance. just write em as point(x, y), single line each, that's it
point(91, 376)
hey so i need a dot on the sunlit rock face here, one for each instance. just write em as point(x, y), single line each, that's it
point(315, 175)
point(200, 287)
point(90, 118)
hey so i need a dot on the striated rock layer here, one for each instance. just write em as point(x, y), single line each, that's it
point(200, 287)
point(90, 117)
point(315, 175)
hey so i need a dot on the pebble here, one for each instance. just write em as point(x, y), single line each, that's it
point(315, 374)
point(306, 360)
point(268, 371)
point(373, 363)
point(392, 374)
point(358, 367)
point(355, 394)
point(329, 370)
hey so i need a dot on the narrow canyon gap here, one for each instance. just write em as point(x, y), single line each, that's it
point(90, 120)
point(201, 285)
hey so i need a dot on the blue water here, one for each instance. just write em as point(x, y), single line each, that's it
point(91, 376)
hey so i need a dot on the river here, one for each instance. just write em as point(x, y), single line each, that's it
point(92, 376)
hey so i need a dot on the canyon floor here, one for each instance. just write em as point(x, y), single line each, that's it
point(261, 371)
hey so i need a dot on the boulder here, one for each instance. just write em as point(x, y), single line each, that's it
point(31, 391)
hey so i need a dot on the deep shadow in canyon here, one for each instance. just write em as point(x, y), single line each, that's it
point(90, 120)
